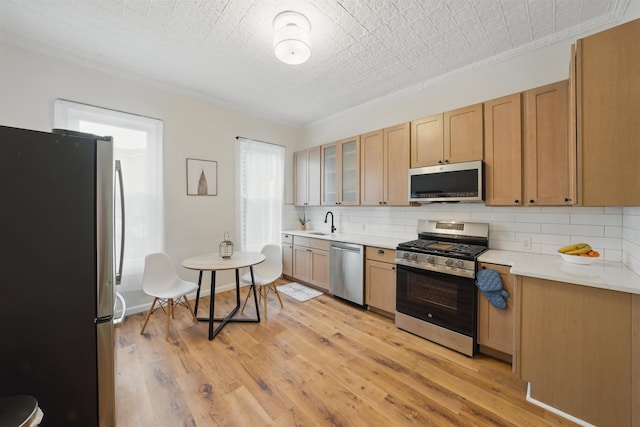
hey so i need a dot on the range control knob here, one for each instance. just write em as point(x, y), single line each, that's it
point(449, 262)
point(414, 256)
point(431, 259)
point(459, 264)
point(405, 255)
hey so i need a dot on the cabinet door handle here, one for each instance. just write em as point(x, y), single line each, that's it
point(380, 251)
point(567, 199)
point(532, 201)
point(516, 201)
point(440, 162)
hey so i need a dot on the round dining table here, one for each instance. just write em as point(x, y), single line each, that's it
point(213, 262)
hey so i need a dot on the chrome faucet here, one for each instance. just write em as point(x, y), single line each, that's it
point(333, 229)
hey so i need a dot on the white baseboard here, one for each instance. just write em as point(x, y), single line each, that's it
point(204, 292)
point(554, 410)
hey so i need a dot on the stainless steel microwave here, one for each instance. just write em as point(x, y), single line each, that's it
point(454, 182)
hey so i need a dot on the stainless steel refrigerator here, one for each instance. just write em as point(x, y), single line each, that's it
point(57, 274)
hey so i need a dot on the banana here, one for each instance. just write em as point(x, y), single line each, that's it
point(582, 250)
point(577, 246)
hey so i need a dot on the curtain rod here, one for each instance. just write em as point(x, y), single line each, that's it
point(257, 140)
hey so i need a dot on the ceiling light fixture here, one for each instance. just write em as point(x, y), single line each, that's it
point(291, 37)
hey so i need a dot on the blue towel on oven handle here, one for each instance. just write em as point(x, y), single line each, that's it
point(490, 283)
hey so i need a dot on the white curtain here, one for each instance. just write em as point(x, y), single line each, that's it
point(138, 145)
point(261, 193)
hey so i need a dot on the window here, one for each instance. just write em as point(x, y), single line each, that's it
point(261, 189)
point(138, 146)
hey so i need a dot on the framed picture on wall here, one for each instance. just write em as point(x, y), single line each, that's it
point(202, 177)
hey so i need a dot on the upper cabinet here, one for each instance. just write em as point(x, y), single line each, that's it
point(549, 154)
point(529, 156)
point(341, 172)
point(503, 151)
point(306, 172)
point(463, 134)
point(608, 117)
point(451, 137)
point(427, 141)
point(384, 165)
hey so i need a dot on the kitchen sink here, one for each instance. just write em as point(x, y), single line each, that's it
point(318, 233)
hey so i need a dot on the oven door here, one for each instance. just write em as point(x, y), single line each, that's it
point(442, 299)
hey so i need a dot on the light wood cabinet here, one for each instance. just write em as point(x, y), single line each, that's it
point(451, 137)
point(427, 139)
point(380, 280)
point(372, 168)
point(306, 172)
point(529, 156)
point(384, 166)
point(311, 261)
point(340, 165)
point(608, 116)
point(495, 326)
point(579, 350)
point(287, 255)
point(549, 155)
point(463, 137)
point(503, 151)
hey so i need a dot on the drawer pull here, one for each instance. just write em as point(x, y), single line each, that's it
point(380, 252)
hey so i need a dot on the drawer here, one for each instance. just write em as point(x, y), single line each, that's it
point(502, 269)
point(287, 238)
point(311, 243)
point(381, 254)
point(301, 241)
point(320, 244)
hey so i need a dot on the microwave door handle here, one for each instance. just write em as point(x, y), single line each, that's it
point(121, 185)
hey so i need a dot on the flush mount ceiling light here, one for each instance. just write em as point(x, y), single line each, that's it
point(291, 37)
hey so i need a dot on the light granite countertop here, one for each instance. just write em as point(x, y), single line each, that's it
point(360, 239)
point(601, 274)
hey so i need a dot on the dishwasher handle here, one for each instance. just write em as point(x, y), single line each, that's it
point(346, 247)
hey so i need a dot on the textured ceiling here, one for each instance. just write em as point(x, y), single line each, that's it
point(361, 49)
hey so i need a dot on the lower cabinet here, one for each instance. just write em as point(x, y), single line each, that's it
point(311, 261)
point(495, 326)
point(287, 255)
point(579, 350)
point(380, 277)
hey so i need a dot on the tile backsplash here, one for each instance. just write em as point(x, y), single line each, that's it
point(612, 231)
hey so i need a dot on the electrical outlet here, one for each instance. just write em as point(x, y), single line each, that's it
point(526, 243)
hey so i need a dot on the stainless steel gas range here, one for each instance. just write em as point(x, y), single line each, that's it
point(436, 296)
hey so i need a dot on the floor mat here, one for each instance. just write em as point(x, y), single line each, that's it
point(298, 291)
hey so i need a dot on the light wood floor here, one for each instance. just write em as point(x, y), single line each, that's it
point(321, 362)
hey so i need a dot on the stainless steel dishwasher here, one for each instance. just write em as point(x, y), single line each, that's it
point(346, 271)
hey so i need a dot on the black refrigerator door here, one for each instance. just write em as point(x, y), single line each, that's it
point(47, 183)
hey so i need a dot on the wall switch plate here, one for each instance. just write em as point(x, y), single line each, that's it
point(526, 243)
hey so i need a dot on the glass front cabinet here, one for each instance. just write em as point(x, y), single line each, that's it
point(341, 172)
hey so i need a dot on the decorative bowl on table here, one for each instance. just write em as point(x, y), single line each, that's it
point(577, 259)
point(578, 253)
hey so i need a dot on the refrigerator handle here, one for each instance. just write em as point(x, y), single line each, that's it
point(121, 185)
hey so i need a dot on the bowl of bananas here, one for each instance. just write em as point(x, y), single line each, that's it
point(580, 253)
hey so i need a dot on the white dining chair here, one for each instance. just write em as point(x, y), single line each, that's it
point(265, 274)
point(161, 282)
